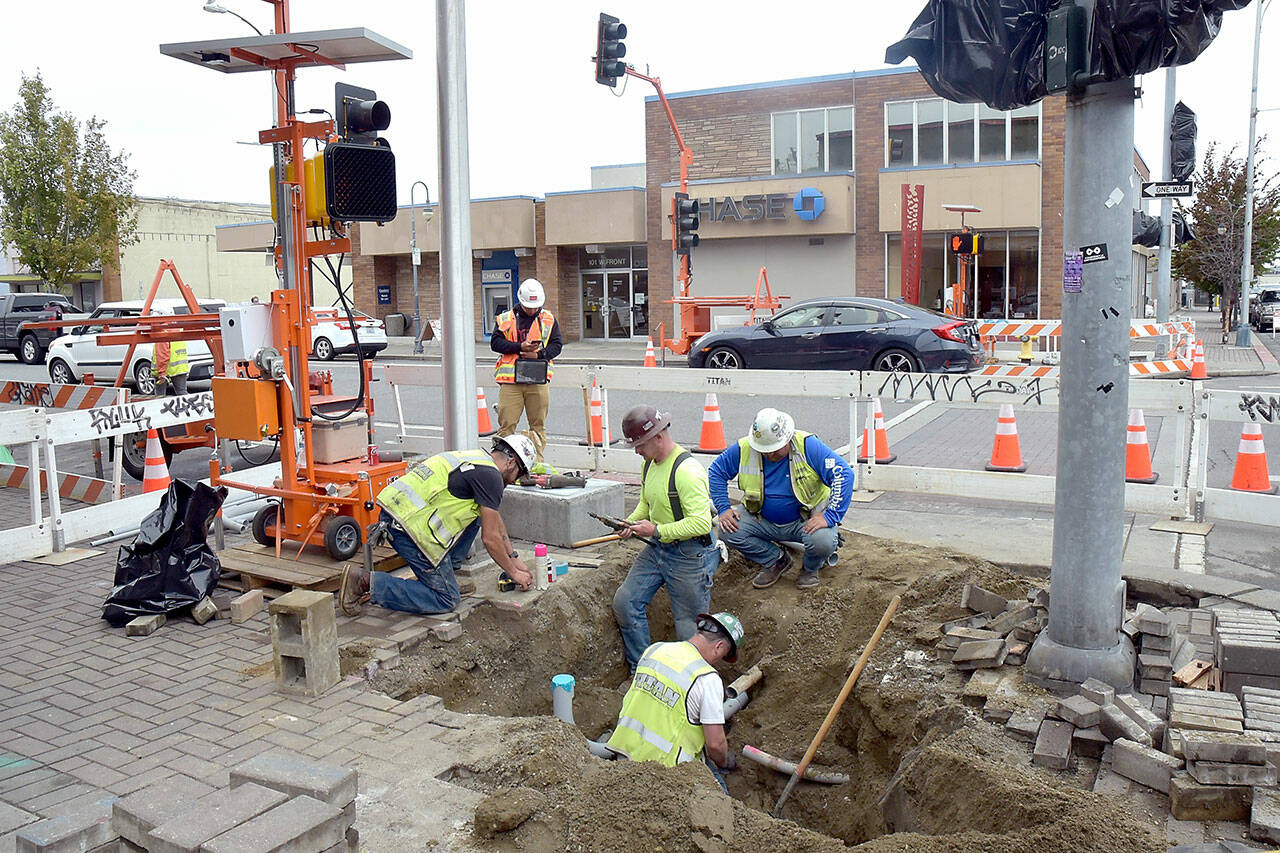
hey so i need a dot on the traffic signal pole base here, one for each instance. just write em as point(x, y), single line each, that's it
point(1059, 668)
point(1243, 338)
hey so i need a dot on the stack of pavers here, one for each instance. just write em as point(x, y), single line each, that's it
point(1155, 638)
point(1000, 632)
point(1262, 720)
point(1246, 646)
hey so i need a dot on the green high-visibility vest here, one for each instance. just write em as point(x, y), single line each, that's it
point(423, 505)
point(805, 482)
point(654, 724)
point(177, 359)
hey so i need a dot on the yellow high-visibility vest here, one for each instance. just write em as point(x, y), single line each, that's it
point(423, 505)
point(654, 723)
point(805, 482)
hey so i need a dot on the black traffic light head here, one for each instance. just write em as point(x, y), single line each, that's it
point(360, 182)
point(684, 223)
point(610, 50)
point(358, 115)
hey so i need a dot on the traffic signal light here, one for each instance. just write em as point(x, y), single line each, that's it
point(610, 50)
point(684, 223)
point(966, 243)
point(358, 115)
point(360, 182)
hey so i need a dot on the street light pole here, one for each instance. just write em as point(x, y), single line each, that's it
point(413, 261)
point(1246, 263)
point(1164, 275)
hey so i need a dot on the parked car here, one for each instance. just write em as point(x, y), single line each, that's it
point(331, 334)
point(846, 334)
point(72, 356)
point(1262, 308)
point(29, 345)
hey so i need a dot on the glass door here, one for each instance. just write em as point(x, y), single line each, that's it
point(593, 306)
point(618, 320)
point(640, 303)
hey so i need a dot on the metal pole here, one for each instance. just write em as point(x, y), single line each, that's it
point(1246, 263)
point(461, 423)
point(413, 262)
point(1086, 601)
point(1163, 272)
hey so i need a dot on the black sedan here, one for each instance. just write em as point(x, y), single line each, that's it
point(846, 334)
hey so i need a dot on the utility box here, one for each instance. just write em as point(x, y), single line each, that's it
point(245, 409)
point(245, 330)
point(338, 441)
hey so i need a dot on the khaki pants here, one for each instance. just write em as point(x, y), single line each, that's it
point(531, 400)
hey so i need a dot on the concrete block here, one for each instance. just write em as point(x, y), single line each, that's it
point(1003, 623)
point(979, 621)
point(1201, 722)
point(1190, 800)
point(1152, 665)
point(1089, 743)
point(1224, 746)
point(1264, 821)
point(1039, 597)
point(957, 636)
point(448, 631)
point(1144, 765)
point(247, 606)
point(1158, 645)
point(1160, 706)
point(298, 776)
point(304, 642)
point(1017, 654)
point(559, 516)
point(998, 709)
point(1079, 712)
point(1154, 686)
point(1154, 622)
point(1262, 693)
point(144, 626)
point(302, 823)
point(1026, 631)
point(979, 600)
point(1135, 710)
point(981, 684)
point(1116, 725)
point(80, 828)
point(1024, 725)
point(1222, 773)
point(1234, 682)
point(1253, 657)
point(1098, 692)
point(211, 816)
point(1053, 745)
point(980, 654)
point(204, 610)
point(142, 811)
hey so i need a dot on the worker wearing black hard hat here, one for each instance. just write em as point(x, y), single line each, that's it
point(675, 512)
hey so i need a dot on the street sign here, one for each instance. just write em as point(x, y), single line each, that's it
point(1072, 271)
point(417, 256)
point(1167, 189)
point(1095, 253)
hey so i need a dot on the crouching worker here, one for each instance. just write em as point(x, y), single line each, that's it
point(674, 711)
point(432, 515)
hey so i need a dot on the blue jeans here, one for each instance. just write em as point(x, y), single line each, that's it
point(687, 569)
point(757, 539)
point(435, 590)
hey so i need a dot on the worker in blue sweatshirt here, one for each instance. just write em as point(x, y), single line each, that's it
point(794, 489)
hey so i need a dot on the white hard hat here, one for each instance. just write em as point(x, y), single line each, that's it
point(522, 447)
point(771, 430)
point(531, 294)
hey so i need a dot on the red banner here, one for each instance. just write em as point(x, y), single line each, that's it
point(912, 240)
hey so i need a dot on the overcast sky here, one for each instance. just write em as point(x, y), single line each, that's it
point(538, 120)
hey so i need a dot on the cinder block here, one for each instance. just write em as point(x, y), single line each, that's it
point(211, 816)
point(979, 600)
point(81, 828)
point(302, 823)
point(1264, 822)
point(1053, 745)
point(1221, 773)
point(304, 641)
point(1098, 692)
point(1189, 800)
point(559, 516)
point(1115, 725)
point(204, 610)
point(1079, 712)
point(1224, 746)
point(245, 607)
point(1144, 765)
point(448, 631)
point(297, 776)
point(144, 626)
point(142, 811)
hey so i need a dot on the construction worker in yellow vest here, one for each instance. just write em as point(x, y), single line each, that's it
point(432, 515)
point(521, 338)
point(171, 368)
point(674, 709)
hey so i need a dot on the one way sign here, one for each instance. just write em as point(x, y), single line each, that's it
point(1166, 189)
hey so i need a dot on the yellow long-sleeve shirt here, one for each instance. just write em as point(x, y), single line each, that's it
point(695, 499)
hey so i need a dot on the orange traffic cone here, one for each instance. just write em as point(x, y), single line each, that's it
point(155, 477)
point(1198, 369)
point(482, 414)
point(649, 359)
point(599, 431)
point(1137, 453)
point(1006, 453)
point(712, 440)
point(1251, 463)
point(875, 427)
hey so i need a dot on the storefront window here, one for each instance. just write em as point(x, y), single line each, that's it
point(934, 272)
point(900, 119)
point(840, 140)
point(929, 132)
point(785, 150)
point(990, 274)
point(1024, 136)
point(916, 133)
point(991, 128)
point(1003, 283)
point(812, 141)
point(960, 133)
point(1024, 272)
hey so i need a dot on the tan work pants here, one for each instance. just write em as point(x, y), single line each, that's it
point(531, 400)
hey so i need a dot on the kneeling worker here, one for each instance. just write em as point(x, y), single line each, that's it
point(674, 711)
point(794, 489)
point(433, 513)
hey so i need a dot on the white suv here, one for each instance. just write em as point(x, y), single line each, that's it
point(331, 334)
point(72, 356)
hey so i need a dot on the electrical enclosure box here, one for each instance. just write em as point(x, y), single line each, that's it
point(245, 330)
point(245, 409)
point(338, 441)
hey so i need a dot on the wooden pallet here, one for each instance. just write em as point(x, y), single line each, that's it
point(259, 568)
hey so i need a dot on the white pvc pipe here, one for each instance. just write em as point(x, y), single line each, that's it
point(562, 697)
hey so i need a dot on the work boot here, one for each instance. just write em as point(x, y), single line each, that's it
point(769, 575)
point(354, 591)
point(807, 580)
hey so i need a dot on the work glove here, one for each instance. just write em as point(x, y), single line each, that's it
point(730, 762)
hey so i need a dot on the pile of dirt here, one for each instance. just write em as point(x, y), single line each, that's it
point(927, 773)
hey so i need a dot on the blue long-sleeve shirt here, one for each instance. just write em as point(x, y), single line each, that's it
point(780, 504)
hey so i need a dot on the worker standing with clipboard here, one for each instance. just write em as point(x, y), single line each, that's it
point(526, 340)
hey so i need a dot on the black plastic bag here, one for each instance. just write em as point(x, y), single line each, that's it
point(1182, 232)
point(169, 565)
point(1182, 142)
point(1146, 229)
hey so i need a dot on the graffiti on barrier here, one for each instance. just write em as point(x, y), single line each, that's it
point(114, 417)
point(191, 404)
point(1258, 407)
point(28, 394)
point(949, 387)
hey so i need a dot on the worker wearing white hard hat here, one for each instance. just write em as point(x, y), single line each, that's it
point(526, 340)
point(795, 489)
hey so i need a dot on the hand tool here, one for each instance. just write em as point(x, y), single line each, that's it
point(620, 525)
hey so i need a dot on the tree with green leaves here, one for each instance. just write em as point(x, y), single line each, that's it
point(1212, 261)
point(66, 199)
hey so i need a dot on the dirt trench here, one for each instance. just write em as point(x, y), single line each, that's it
point(927, 774)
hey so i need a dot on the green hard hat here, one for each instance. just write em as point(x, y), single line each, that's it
point(731, 626)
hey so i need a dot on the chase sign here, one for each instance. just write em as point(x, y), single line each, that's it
point(807, 205)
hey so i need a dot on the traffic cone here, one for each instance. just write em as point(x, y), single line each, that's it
point(482, 413)
point(1137, 453)
point(649, 359)
point(875, 427)
point(1198, 369)
point(1251, 463)
point(600, 434)
point(1006, 454)
point(712, 440)
point(155, 477)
